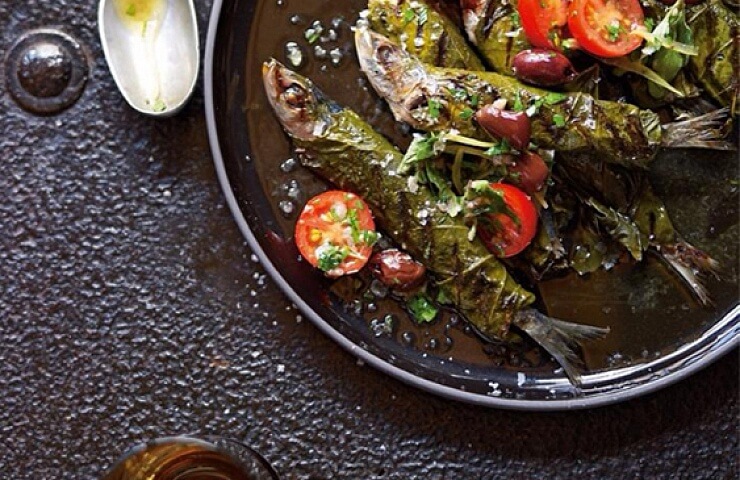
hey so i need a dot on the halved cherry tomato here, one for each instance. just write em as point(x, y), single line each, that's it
point(505, 237)
point(543, 20)
point(335, 232)
point(606, 27)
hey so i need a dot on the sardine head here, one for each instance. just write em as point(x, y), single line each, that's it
point(294, 99)
point(392, 71)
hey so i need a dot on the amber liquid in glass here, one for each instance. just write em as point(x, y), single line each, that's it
point(185, 459)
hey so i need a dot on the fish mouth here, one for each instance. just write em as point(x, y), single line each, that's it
point(293, 98)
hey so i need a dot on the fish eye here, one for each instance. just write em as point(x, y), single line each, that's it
point(295, 96)
point(385, 54)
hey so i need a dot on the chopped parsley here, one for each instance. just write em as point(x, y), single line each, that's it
point(131, 10)
point(313, 33)
point(499, 149)
point(428, 146)
point(553, 98)
point(558, 120)
point(420, 12)
point(359, 236)
point(672, 33)
point(466, 114)
point(486, 200)
point(422, 147)
point(422, 308)
point(458, 94)
point(433, 108)
point(331, 257)
point(613, 30)
point(408, 15)
point(159, 105)
point(518, 103)
point(354, 225)
point(515, 20)
point(369, 237)
point(482, 203)
point(550, 99)
point(333, 215)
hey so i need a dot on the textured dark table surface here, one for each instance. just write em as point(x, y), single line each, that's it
point(131, 308)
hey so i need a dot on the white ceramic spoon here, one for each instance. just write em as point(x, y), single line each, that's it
point(152, 51)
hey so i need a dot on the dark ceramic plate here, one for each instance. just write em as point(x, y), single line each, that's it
point(659, 334)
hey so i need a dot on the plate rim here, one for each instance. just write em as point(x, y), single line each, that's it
point(715, 349)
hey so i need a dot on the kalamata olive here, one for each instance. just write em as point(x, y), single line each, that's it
point(545, 68)
point(397, 269)
point(514, 127)
point(529, 172)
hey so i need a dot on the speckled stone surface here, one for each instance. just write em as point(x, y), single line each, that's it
point(130, 308)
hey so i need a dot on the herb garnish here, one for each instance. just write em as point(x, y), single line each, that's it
point(515, 20)
point(433, 108)
point(408, 15)
point(553, 98)
point(313, 33)
point(369, 237)
point(550, 99)
point(354, 225)
point(518, 103)
point(422, 308)
point(159, 105)
point(331, 257)
point(669, 46)
point(671, 33)
point(458, 94)
point(613, 30)
point(499, 149)
point(359, 236)
point(427, 146)
point(482, 201)
point(466, 114)
point(416, 10)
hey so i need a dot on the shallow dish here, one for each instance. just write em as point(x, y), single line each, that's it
point(659, 334)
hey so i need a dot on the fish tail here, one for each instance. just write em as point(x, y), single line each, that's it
point(705, 131)
point(691, 264)
point(559, 338)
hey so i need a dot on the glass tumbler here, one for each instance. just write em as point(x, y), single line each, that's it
point(188, 458)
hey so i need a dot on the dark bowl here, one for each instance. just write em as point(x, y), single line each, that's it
point(659, 334)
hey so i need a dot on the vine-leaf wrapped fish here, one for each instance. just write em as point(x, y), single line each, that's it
point(438, 99)
point(337, 145)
